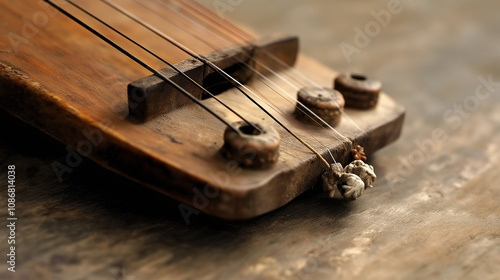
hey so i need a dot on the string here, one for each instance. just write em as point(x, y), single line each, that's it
point(140, 62)
point(302, 108)
point(166, 79)
point(164, 61)
point(238, 85)
point(247, 38)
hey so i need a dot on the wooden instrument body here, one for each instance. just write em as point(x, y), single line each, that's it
point(66, 82)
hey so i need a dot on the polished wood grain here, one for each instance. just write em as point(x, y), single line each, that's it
point(72, 86)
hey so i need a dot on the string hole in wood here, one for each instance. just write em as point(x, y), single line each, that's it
point(249, 130)
point(358, 77)
point(359, 91)
point(251, 147)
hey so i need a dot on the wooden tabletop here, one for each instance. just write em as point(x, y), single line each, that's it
point(434, 211)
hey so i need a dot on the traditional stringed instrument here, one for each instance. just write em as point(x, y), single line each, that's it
point(169, 95)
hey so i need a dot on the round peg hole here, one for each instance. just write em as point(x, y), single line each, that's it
point(251, 147)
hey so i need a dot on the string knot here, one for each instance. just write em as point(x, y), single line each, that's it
point(350, 181)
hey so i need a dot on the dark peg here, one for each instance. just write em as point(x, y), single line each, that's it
point(326, 103)
point(359, 92)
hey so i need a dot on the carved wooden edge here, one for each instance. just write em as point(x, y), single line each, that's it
point(29, 101)
point(151, 96)
point(256, 201)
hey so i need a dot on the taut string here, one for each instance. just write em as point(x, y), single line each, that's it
point(139, 61)
point(164, 61)
point(247, 39)
point(242, 88)
point(238, 85)
point(263, 78)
